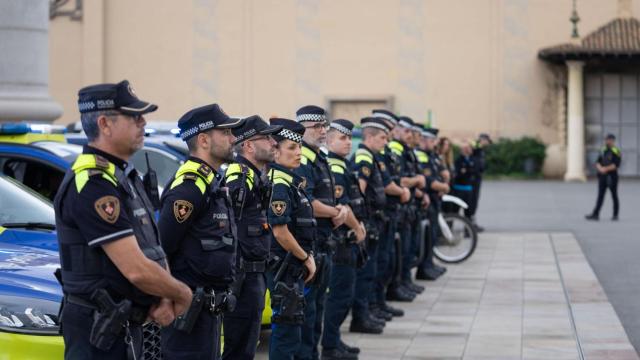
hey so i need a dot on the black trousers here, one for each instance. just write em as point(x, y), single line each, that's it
point(202, 343)
point(242, 326)
point(608, 181)
point(76, 327)
point(474, 199)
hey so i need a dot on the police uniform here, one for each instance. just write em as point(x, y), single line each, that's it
point(199, 237)
point(102, 200)
point(427, 270)
point(608, 156)
point(315, 170)
point(290, 206)
point(343, 274)
point(465, 177)
point(480, 164)
point(250, 191)
point(372, 170)
point(396, 154)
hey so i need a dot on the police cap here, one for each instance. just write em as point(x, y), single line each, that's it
point(290, 130)
point(120, 96)
point(205, 118)
point(252, 126)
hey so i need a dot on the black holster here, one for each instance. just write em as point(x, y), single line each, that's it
point(287, 298)
point(186, 321)
point(109, 320)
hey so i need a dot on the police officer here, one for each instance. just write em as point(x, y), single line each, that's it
point(607, 166)
point(374, 185)
point(427, 270)
point(196, 220)
point(402, 155)
point(320, 184)
point(290, 215)
point(349, 238)
point(250, 192)
point(465, 174)
point(484, 140)
point(113, 269)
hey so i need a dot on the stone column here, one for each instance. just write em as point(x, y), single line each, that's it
point(24, 63)
point(575, 126)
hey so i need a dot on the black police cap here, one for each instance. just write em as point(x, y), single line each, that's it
point(311, 113)
point(120, 96)
point(385, 114)
point(406, 122)
point(375, 123)
point(252, 126)
point(432, 131)
point(610, 137)
point(342, 125)
point(205, 118)
point(290, 130)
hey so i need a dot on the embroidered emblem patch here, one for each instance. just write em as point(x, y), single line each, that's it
point(427, 171)
point(278, 207)
point(339, 191)
point(204, 170)
point(182, 209)
point(366, 171)
point(108, 208)
point(383, 167)
point(303, 183)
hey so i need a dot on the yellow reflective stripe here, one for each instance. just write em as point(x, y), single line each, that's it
point(234, 171)
point(110, 179)
point(280, 181)
point(422, 156)
point(396, 147)
point(88, 161)
point(200, 183)
point(338, 162)
point(81, 180)
point(615, 150)
point(279, 175)
point(2, 229)
point(337, 169)
point(309, 154)
point(192, 167)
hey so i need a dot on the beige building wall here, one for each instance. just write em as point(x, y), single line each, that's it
point(472, 62)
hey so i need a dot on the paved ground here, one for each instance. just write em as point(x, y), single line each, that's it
point(612, 248)
point(521, 296)
point(531, 291)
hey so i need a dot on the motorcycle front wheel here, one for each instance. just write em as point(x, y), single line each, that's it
point(457, 239)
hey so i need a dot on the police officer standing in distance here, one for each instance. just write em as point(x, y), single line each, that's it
point(113, 269)
point(250, 192)
point(199, 234)
point(319, 187)
point(290, 215)
point(607, 166)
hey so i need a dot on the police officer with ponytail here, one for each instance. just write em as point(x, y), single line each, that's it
point(199, 233)
point(290, 215)
point(113, 271)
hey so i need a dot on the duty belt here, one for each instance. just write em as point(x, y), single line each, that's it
point(253, 266)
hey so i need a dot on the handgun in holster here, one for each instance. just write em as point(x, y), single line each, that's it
point(287, 299)
point(186, 321)
point(109, 320)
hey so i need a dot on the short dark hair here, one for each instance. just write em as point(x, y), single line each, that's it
point(89, 122)
point(370, 131)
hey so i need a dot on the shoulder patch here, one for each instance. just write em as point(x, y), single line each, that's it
point(366, 171)
point(303, 183)
point(382, 165)
point(278, 207)
point(339, 191)
point(427, 171)
point(182, 209)
point(101, 162)
point(205, 170)
point(108, 208)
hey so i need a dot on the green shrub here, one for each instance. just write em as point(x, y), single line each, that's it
point(508, 157)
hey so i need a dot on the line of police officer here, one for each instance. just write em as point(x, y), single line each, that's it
point(320, 231)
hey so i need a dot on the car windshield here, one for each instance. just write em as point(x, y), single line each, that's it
point(66, 151)
point(21, 206)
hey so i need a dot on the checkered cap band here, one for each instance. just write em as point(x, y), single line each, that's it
point(385, 116)
point(311, 117)
point(405, 124)
point(197, 129)
point(340, 128)
point(375, 125)
point(291, 135)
